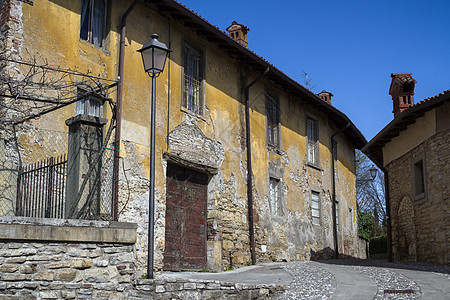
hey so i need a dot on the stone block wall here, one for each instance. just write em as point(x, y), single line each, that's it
point(39, 270)
point(420, 228)
point(362, 248)
point(75, 259)
point(101, 271)
point(171, 288)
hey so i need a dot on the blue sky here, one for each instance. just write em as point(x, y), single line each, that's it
point(348, 47)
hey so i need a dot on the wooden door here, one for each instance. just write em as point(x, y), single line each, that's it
point(185, 246)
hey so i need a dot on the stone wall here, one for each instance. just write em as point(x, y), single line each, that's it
point(171, 288)
point(100, 271)
point(39, 270)
point(363, 247)
point(420, 228)
point(75, 259)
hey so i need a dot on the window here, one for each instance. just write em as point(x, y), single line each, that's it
point(312, 141)
point(93, 21)
point(315, 207)
point(90, 105)
point(419, 180)
point(275, 197)
point(193, 80)
point(273, 121)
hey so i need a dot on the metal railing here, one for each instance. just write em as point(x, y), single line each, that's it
point(51, 174)
point(41, 189)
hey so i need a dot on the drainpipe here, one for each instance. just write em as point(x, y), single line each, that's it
point(249, 167)
point(118, 111)
point(333, 187)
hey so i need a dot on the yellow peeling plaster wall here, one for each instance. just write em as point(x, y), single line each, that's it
point(51, 29)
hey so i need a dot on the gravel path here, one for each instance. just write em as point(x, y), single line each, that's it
point(310, 282)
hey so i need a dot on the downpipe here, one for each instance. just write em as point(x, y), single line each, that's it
point(249, 167)
point(118, 112)
point(333, 187)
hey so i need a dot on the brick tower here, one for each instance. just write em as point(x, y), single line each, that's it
point(402, 92)
point(238, 32)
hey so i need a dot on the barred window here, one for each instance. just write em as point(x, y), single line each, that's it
point(193, 80)
point(273, 121)
point(312, 141)
point(93, 21)
point(315, 207)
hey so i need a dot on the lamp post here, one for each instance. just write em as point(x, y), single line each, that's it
point(373, 172)
point(154, 55)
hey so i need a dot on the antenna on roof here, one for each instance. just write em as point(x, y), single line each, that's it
point(308, 81)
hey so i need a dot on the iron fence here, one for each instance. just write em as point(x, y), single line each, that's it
point(51, 174)
point(40, 189)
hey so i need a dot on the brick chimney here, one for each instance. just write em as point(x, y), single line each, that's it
point(238, 32)
point(325, 96)
point(402, 92)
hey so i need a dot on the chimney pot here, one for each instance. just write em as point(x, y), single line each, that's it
point(238, 32)
point(402, 92)
point(325, 96)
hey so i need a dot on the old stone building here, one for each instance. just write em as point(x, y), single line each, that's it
point(414, 150)
point(301, 147)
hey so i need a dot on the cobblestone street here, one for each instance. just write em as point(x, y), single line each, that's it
point(344, 279)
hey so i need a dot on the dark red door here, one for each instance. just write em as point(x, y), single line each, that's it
point(185, 247)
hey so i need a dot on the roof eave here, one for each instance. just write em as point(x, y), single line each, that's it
point(357, 138)
point(399, 123)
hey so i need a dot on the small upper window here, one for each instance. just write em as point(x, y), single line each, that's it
point(419, 180)
point(276, 207)
point(90, 105)
point(273, 121)
point(193, 80)
point(312, 141)
point(312, 133)
point(93, 21)
point(315, 207)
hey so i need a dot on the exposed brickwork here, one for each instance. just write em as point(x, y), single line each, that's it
point(420, 228)
point(325, 96)
point(402, 92)
point(11, 28)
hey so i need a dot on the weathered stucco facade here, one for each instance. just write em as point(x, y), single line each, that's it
point(414, 150)
point(211, 142)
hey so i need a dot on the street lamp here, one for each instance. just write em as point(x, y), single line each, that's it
point(154, 55)
point(373, 172)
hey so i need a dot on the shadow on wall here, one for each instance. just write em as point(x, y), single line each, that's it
point(325, 253)
point(328, 254)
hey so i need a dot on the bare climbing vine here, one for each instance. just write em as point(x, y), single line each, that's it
point(29, 89)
